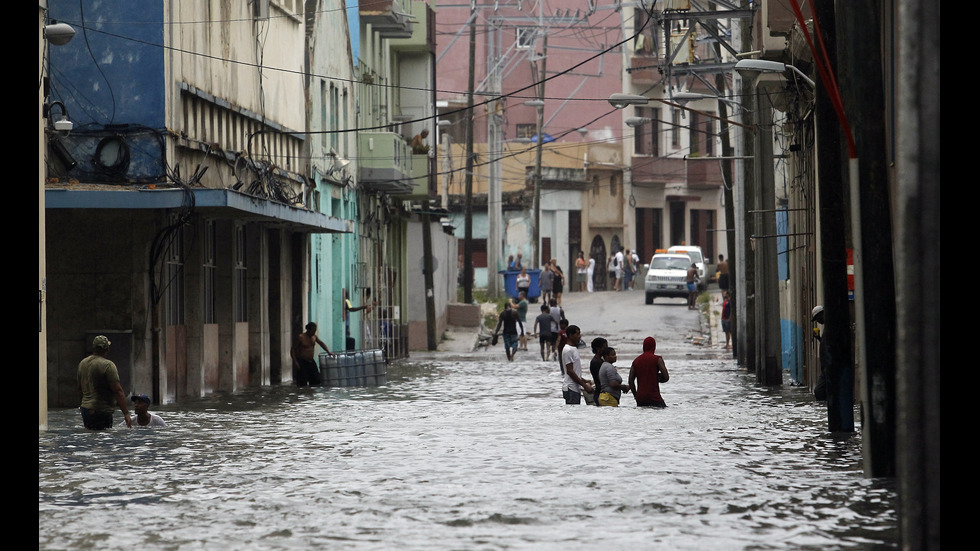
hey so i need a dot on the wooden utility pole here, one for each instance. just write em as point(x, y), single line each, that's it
point(835, 343)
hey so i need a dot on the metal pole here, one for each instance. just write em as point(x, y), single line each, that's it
point(468, 232)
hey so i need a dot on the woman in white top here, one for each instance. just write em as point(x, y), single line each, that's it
point(590, 272)
point(523, 281)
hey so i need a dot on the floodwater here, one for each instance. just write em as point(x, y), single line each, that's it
point(470, 452)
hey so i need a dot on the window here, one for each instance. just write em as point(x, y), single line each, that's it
point(526, 130)
point(709, 136)
point(241, 276)
point(478, 251)
point(525, 38)
point(675, 132)
point(210, 268)
point(702, 134)
point(695, 134)
point(646, 137)
point(334, 116)
point(174, 278)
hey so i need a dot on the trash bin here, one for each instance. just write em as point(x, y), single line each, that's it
point(510, 284)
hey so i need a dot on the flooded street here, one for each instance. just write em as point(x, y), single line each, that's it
point(468, 451)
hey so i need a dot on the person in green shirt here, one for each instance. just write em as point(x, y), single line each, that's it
point(98, 381)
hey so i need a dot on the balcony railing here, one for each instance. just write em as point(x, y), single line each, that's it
point(389, 18)
point(693, 172)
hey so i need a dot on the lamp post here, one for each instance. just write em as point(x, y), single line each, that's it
point(756, 66)
point(57, 34)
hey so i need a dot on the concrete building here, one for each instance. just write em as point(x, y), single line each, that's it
point(632, 187)
point(179, 208)
point(395, 68)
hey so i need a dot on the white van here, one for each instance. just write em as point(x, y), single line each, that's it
point(697, 257)
point(667, 276)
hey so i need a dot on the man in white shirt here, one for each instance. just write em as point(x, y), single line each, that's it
point(141, 405)
point(571, 363)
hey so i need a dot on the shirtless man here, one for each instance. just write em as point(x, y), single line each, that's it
point(305, 370)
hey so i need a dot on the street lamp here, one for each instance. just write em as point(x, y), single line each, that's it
point(620, 101)
point(752, 66)
point(59, 34)
point(633, 122)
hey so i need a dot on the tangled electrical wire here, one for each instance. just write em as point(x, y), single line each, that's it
point(262, 179)
point(167, 239)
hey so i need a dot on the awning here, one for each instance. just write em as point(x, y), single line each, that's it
point(219, 203)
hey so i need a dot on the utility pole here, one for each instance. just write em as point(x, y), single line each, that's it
point(743, 278)
point(769, 367)
point(468, 232)
point(430, 301)
point(835, 343)
point(536, 234)
point(494, 142)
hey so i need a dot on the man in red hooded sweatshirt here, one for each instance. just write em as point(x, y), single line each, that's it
point(646, 374)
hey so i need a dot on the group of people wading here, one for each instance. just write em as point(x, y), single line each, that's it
point(559, 340)
point(607, 387)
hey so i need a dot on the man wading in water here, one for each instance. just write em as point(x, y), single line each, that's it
point(305, 370)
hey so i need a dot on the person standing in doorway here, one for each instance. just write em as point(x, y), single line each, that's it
point(98, 381)
point(305, 369)
point(348, 310)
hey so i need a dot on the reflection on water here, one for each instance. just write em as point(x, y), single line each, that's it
point(468, 455)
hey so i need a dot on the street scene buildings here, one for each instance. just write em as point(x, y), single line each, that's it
point(214, 175)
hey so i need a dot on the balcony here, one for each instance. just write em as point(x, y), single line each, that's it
point(389, 18)
point(663, 170)
point(384, 163)
point(423, 31)
point(423, 177)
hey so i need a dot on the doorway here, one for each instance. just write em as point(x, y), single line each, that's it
point(597, 252)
